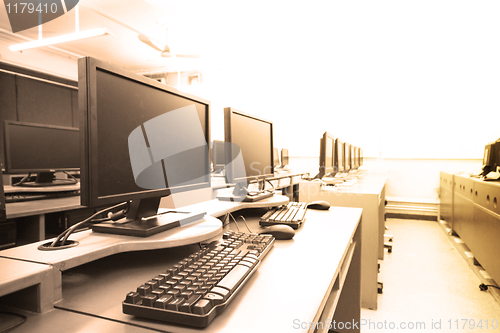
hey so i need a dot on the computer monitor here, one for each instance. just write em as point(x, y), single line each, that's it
point(276, 157)
point(3, 214)
point(326, 155)
point(347, 157)
point(253, 138)
point(491, 157)
point(285, 157)
point(339, 155)
point(41, 149)
point(355, 158)
point(360, 156)
point(141, 140)
point(218, 155)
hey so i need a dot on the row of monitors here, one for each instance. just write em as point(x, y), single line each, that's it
point(336, 156)
point(139, 140)
point(44, 149)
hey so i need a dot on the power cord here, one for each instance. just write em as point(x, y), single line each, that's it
point(63, 237)
point(484, 287)
point(19, 323)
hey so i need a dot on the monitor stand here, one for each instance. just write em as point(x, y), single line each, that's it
point(241, 194)
point(44, 179)
point(143, 219)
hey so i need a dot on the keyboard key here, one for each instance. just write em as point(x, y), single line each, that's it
point(202, 307)
point(189, 303)
point(132, 297)
point(175, 303)
point(215, 299)
point(232, 280)
point(162, 302)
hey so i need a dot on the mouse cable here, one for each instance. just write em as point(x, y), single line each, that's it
point(484, 287)
point(62, 238)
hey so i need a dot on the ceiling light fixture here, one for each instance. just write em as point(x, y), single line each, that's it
point(60, 39)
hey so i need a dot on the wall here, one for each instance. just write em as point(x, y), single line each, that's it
point(411, 179)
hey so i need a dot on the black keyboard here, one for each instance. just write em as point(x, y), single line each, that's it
point(196, 289)
point(29, 196)
point(292, 214)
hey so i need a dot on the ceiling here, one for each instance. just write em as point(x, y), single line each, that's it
point(227, 34)
point(188, 23)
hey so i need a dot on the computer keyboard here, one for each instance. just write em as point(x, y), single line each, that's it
point(292, 214)
point(196, 289)
point(29, 196)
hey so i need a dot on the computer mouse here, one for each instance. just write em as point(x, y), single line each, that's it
point(278, 231)
point(320, 205)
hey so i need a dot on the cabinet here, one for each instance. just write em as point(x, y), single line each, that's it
point(369, 195)
point(446, 197)
point(476, 219)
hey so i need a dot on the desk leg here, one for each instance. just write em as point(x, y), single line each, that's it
point(41, 226)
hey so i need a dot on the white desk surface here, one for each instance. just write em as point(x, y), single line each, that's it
point(290, 284)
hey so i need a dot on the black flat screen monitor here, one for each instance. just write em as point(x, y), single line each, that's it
point(347, 157)
point(254, 137)
point(218, 155)
point(326, 155)
point(339, 155)
point(41, 149)
point(141, 140)
point(285, 157)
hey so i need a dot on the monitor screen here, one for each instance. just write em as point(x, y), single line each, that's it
point(141, 139)
point(285, 157)
point(254, 137)
point(218, 157)
point(326, 155)
point(488, 156)
point(42, 149)
point(36, 148)
point(339, 155)
point(347, 157)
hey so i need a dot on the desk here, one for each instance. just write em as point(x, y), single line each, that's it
point(368, 194)
point(470, 206)
point(327, 245)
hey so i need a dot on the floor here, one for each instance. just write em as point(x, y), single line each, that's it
point(428, 286)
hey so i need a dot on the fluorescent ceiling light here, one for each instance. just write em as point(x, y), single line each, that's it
point(59, 39)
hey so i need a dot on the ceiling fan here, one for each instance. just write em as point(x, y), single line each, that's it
point(164, 48)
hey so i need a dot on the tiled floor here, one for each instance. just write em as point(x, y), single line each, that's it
point(428, 286)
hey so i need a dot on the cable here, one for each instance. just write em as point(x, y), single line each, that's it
point(246, 224)
point(236, 223)
point(65, 234)
point(23, 180)
point(11, 327)
point(484, 287)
